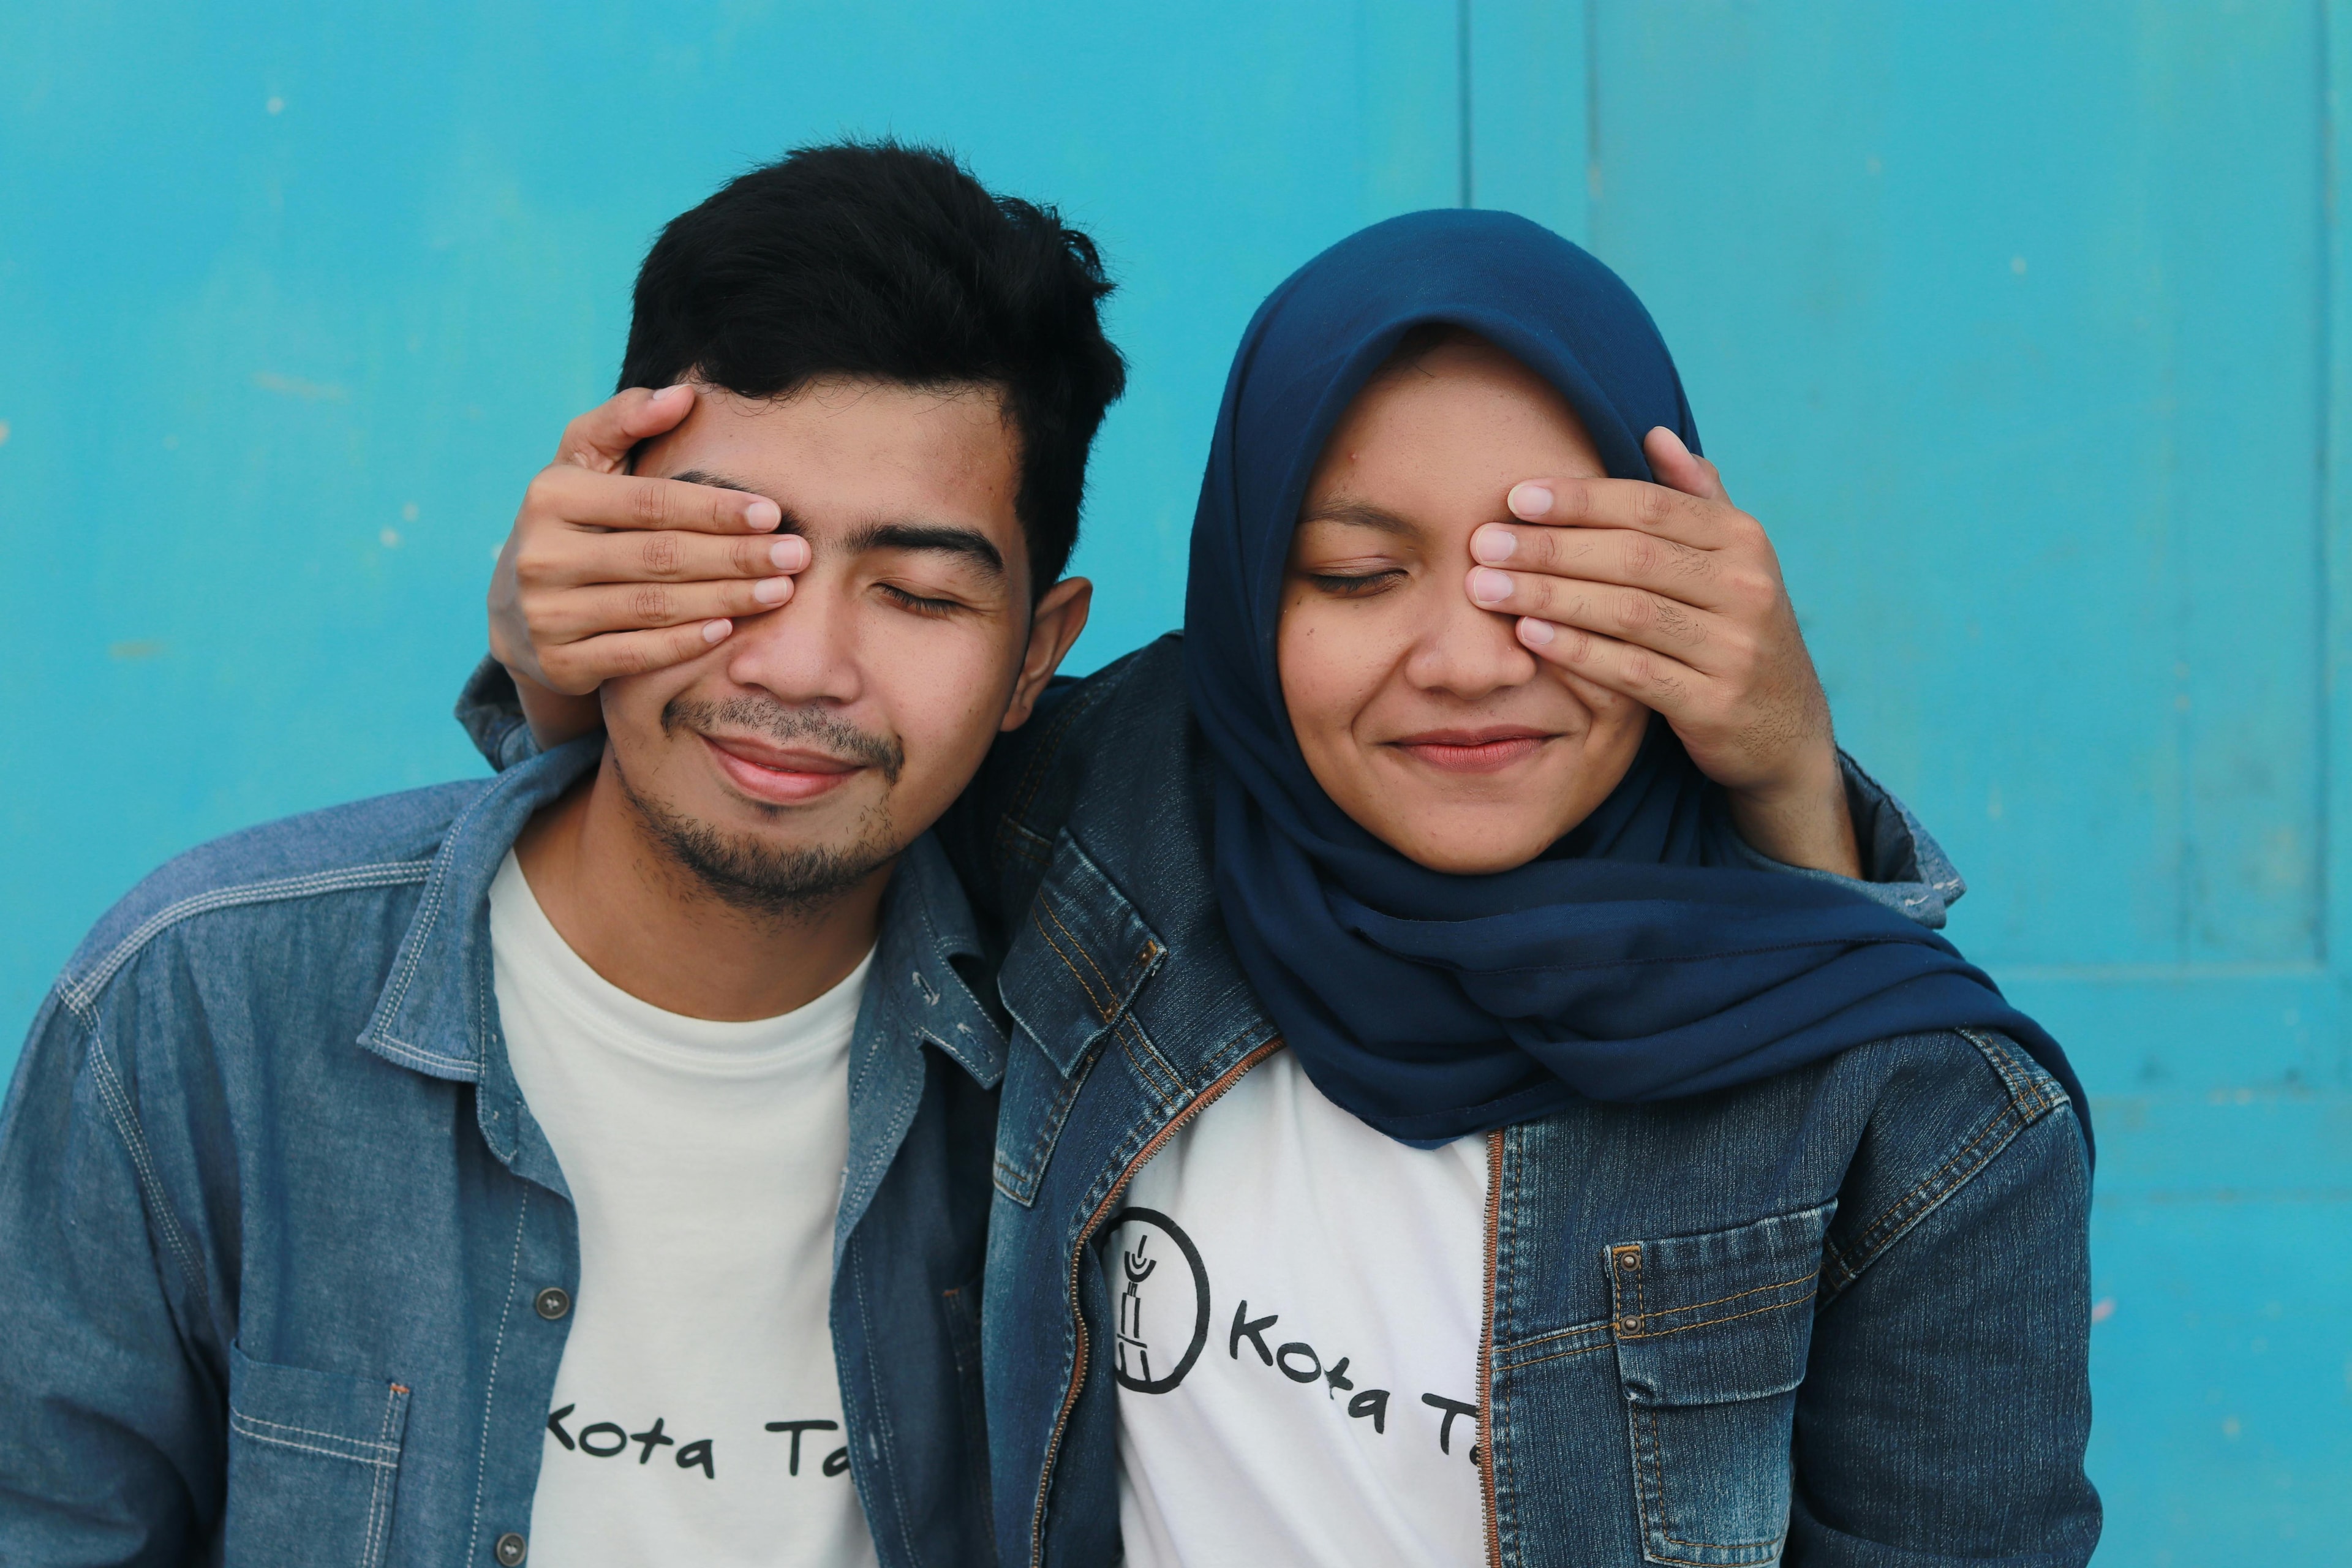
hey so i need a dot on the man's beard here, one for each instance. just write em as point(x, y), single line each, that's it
point(745, 870)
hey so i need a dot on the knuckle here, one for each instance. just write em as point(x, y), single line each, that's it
point(1644, 554)
point(649, 603)
point(660, 553)
point(1634, 611)
point(647, 505)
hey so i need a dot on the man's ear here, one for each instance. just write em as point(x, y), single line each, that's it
point(1060, 617)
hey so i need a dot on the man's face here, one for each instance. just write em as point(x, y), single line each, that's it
point(800, 755)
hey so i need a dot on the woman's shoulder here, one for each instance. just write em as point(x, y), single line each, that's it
point(1110, 759)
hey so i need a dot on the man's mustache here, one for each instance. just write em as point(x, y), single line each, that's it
point(787, 726)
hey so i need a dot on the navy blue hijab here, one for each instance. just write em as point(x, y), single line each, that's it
point(1631, 961)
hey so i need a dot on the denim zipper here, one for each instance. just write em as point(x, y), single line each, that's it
point(1200, 1103)
point(1486, 1350)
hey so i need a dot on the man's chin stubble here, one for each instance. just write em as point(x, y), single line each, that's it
point(757, 878)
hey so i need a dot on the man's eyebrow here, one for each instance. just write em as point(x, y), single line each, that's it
point(790, 524)
point(1361, 514)
point(945, 538)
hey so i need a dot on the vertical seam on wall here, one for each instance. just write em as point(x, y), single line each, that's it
point(1465, 171)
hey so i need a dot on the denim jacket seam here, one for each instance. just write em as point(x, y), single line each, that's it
point(1116, 1016)
point(1928, 1195)
point(881, 1407)
point(127, 1129)
point(1664, 1312)
point(80, 992)
point(244, 1425)
point(490, 1382)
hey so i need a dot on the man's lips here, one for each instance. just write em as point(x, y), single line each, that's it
point(1484, 750)
point(782, 776)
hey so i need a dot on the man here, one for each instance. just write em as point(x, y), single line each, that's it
point(590, 1166)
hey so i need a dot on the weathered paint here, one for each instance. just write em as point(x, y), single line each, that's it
point(2023, 326)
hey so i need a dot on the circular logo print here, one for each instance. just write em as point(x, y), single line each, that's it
point(1161, 1291)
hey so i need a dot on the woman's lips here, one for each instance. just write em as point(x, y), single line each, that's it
point(778, 775)
point(1474, 750)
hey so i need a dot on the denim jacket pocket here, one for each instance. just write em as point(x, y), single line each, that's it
point(1069, 980)
point(313, 1464)
point(1712, 1332)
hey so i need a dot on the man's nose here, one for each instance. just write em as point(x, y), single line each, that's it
point(1460, 649)
point(804, 652)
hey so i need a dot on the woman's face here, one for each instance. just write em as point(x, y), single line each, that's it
point(1419, 712)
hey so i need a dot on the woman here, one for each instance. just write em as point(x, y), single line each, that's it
point(1428, 1139)
point(1480, 1166)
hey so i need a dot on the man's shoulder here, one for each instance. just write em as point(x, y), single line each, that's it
point(387, 841)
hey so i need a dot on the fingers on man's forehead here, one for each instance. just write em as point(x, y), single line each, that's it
point(675, 503)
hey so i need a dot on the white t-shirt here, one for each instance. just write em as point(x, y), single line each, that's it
point(1299, 1302)
point(697, 1415)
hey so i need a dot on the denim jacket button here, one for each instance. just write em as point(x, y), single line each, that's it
point(510, 1550)
point(551, 1303)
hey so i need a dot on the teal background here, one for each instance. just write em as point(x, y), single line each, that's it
point(2023, 327)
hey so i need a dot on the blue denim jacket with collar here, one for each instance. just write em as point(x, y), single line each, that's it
point(1838, 1317)
point(286, 1263)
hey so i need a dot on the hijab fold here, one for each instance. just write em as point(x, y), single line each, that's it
point(1636, 959)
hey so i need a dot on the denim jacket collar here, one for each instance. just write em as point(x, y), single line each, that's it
point(437, 1016)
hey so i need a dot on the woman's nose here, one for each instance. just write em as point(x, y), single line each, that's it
point(1460, 649)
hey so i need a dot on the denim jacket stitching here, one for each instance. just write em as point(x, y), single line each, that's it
point(1727, 1318)
point(1664, 1312)
point(881, 1430)
point(1112, 1003)
point(80, 993)
point(125, 1117)
point(490, 1382)
point(239, 1421)
point(376, 1513)
point(1925, 1197)
point(1658, 1473)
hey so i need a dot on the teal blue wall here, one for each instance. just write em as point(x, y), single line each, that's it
point(2022, 325)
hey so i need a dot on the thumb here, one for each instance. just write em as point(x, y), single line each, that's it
point(601, 439)
point(1679, 468)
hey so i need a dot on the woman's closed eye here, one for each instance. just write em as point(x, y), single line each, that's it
point(1356, 582)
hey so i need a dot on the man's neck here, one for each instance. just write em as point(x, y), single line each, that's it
point(645, 922)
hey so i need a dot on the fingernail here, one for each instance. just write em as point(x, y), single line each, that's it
point(1493, 545)
point(773, 590)
point(1530, 500)
point(1532, 630)
point(790, 554)
point(1671, 436)
point(713, 631)
point(762, 515)
point(1489, 587)
point(671, 392)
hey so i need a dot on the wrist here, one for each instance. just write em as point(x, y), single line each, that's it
point(555, 716)
point(1801, 819)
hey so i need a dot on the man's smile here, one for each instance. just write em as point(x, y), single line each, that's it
point(779, 775)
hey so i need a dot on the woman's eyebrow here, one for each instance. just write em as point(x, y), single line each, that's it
point(1360, 514)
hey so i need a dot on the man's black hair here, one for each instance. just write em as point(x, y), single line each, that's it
point(876, 260)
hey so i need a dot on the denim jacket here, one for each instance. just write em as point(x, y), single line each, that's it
point(1838, 1317)
point(286, 1265)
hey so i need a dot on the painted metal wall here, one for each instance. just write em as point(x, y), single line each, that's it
point(2020, 324)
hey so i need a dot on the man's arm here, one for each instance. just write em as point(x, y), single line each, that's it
point(113, 1426)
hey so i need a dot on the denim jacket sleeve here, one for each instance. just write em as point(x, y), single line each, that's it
point(112, 1449)
point(1945, 1402)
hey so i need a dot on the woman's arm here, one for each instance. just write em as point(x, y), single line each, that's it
point(1947, 1401)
